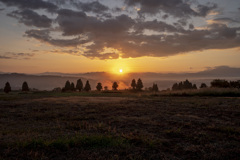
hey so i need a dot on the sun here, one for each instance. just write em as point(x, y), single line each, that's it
point(120, 70)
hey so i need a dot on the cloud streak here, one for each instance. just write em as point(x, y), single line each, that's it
point(12, 55)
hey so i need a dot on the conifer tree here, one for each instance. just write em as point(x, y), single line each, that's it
point(67, 86)
point(139, 85)
point(25, 87)
point(99, 86)
point(114, 86)
point(79, 85)
point(72, 87)
point(155, 88)
point(7, 88)
point(87, 86)
point(133, 84)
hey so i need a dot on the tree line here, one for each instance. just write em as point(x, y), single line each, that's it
point(135, 86)
point(80, 87)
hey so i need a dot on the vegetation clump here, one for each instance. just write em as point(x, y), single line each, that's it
point(79, 85)
point(25, 87)
point(99, 86)
point(115, 86)
point(7, 88)
point(87, 86)
point(139, 85)
point(185, 85)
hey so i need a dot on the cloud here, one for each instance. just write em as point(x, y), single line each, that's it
point(31, 4)
point(73, 23)
point(95, 30)
point(12, 55)
point(31, 18)
point(224, 20)
point(43, 36)
point(94, 6)
point(176, 8)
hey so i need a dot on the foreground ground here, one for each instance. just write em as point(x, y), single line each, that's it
point(82, 127)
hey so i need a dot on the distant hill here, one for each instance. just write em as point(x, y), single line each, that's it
point(41, 82)
point(50, 80)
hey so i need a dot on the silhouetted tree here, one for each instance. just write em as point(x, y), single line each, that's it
point(180, 86)
point(25, 87)
point(72, 87)
point(139, 85)
point(194, 86)
point(187, 85)
point(155, 88)
point(7, 88)
point(79, 85)
point(133, 84)
point(67, 86)
point(175, 87)
point(106, 88)
point(87, 86)
point(219, 83)
point(203, 85)
point(114, 86)
point(235, 84)
point(99, 86)
point(183, 85)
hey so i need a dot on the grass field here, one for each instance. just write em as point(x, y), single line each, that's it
point(48, 125)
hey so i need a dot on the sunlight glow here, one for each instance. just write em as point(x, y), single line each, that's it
point(120, 70)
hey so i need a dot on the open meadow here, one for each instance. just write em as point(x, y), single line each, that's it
point(118, 126)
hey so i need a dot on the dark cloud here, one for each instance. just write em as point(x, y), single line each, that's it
point(107, 33)
point(115, 33)
point(165, 16)
point(12, 55)
point(156, 25)
point(74, 23)
point(177, 8)
point(31, 18)
point(5, 57)
point(44, 36)
point(203, 10)
point(31, 4)
point(191, 26)
point(94, 6)
point(225, 20)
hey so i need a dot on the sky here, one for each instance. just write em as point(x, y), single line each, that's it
point(76, 36)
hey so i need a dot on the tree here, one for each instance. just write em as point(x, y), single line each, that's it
point(106, 88)
point(25, 87)
point(220, 83)
point(175, 87)
point(114, 86)
point(155, 88)
point(194, 86)
point(67, 86)
point(203, 85)
point(72, 87)
point(99, 86)
point(187, 85)
point(139, 85)
point(235, 84)
point(7, 88)
point(133, 84)
point(79, 85)
point(87, 86)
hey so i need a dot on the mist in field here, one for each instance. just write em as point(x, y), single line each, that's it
point(51, 80)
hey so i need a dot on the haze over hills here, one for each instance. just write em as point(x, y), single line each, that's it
point(51, 80)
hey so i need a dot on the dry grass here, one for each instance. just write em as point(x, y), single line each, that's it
point(145, 127)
